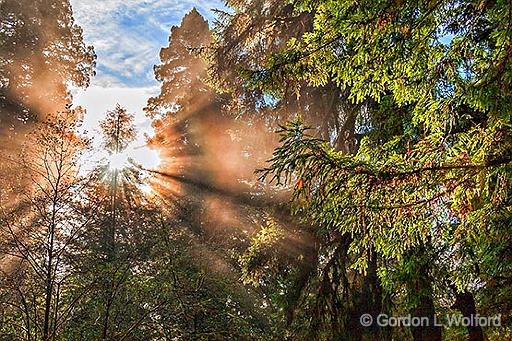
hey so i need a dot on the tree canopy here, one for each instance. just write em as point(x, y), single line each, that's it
point(322, 164)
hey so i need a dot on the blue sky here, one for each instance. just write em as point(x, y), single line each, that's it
point(127, 36)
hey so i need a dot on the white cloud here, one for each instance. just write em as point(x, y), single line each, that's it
point(128, 35)
point(97, 99)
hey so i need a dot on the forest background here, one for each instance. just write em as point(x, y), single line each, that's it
point(302, 163)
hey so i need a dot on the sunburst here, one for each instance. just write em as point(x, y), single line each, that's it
point(118, 161)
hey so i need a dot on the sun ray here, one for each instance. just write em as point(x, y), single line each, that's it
point(118, 161)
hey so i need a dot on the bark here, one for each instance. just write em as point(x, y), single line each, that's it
point(50, 276)
point(465, 302)
point(431, 332)
point(369, 302)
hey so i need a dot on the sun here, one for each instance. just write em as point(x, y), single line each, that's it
point(118, 161)
point(140, 158)
point(146, 188)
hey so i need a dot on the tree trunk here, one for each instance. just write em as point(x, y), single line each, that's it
point(465, 302)
point(48, 289)
point(370, 302)
point(431, 332)
point(49, 271)
point(421, 286)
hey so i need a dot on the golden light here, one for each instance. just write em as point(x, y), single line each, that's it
point(136, 158)
point(118, 161)
point(146, 188)
point(144, 156)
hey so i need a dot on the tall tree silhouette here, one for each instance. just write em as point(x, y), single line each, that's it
point(186, 107)
point(118, 131)
point(183, 93)
point(182, 70)
point(198, 142)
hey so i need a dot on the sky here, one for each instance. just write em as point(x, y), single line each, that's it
point(127, 36)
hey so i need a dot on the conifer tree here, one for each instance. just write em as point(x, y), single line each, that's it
point(427, 188)
point(245, 41)
point(42, 51)
point(186, 108)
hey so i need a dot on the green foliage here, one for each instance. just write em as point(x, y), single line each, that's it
point(433, 166)
point(257, 259)
point(402, 186)
point(403, 193)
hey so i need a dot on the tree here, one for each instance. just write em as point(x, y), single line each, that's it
point(118, 131)
point(426, 173)
point(184, 100)
point(187, 111)
point(42, 51)
point(182, 71)
point(113, 252)
point(200, 171)
point(38, 229)
point(245, 40)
